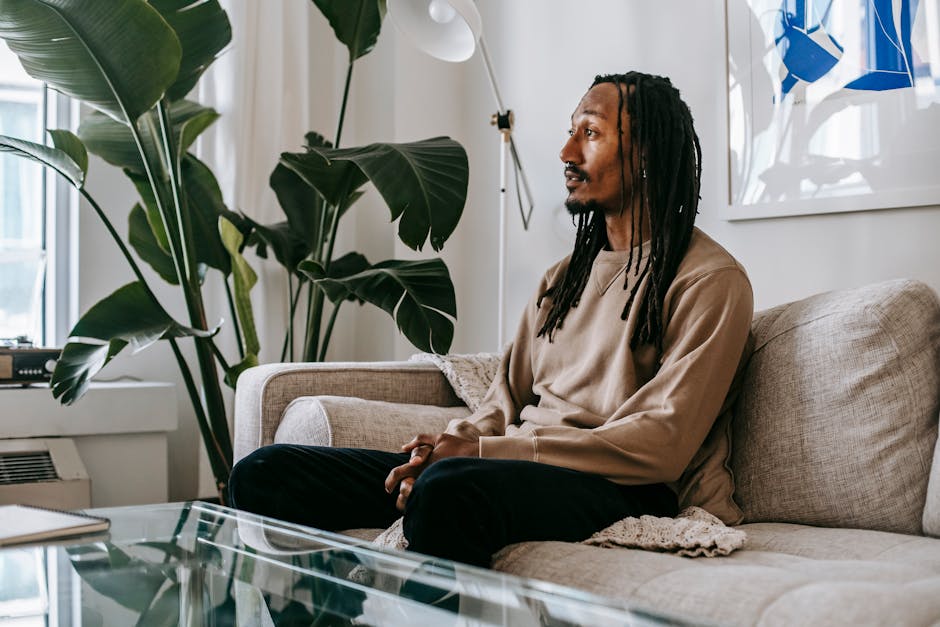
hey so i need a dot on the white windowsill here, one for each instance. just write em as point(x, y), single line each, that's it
point(106, 408)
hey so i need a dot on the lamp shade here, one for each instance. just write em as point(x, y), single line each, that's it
point(445, 29)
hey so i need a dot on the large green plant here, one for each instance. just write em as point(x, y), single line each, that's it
point(424, 185)
point(134, 62)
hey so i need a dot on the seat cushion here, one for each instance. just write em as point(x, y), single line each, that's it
point(856, 577)
point(837, 419)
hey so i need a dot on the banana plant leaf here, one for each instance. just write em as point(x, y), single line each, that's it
point(302, 205)
point(115, 143)
point(206, 206)
point(118, 56)
point(288, 247)
point(356, 23)
point(69, 143)
point(204, 203)
point(56, 158)
point(127, 317)
point(424, 183)
point(141, 237)
point(245, 279)
point(203, 29)
point(346, 266)
point(419, 295)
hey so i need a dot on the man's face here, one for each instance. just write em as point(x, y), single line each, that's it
point(592, 153)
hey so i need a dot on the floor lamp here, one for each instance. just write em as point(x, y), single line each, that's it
point(451, 30)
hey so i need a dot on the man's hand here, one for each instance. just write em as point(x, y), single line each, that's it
point(426, 448)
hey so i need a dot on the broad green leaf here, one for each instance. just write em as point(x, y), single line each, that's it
point(127, 317)
point(115, 143)
point(118, 56)
point(54, 158)
point(333, 180)
point(70, 144)
point(356, 23)
point(419, 295)
point(141, 238)
point(424, 183)
point(154, 219)
point(203, 29)
point(289, 249)
point(301, 203)
point(346, 266)
point(205, 205)
point(244, 278)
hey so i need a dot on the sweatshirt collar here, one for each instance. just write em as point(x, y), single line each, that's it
point(609, 265)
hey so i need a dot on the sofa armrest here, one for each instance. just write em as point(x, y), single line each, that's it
point(265, 391)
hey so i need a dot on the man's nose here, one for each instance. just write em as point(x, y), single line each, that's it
point(569, 151)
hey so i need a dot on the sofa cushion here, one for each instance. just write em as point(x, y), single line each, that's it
point(837, 419)
point(885, 579)
point(344, 421)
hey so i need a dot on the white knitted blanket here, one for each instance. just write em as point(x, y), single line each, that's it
point(693, 533)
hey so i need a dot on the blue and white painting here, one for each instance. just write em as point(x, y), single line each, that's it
point(803, 34)
point(833, 105)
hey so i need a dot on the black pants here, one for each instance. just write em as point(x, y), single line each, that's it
point(461, 508)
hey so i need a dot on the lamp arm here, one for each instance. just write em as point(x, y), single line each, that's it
point(491, 75)
point(514, 153)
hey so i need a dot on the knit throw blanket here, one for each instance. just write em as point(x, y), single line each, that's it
point(693, 533)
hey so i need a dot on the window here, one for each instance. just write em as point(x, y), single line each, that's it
point(34, 213)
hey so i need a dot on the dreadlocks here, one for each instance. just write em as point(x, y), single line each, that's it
point(665, 165)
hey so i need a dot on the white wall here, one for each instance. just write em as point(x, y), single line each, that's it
point(546, 53)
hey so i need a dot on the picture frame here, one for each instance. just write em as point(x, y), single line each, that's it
point(833, 106)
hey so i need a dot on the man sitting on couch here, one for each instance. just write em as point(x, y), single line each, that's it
point(612, 400)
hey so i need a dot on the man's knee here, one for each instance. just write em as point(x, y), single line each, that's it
point(253, 477)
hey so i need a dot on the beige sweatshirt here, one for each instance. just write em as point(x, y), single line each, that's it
point(586, 401)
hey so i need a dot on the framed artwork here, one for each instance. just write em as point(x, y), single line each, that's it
point(833, 106)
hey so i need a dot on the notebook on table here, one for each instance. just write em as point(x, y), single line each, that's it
point(20, 524)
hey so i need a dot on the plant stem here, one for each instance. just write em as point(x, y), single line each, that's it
point(329, 331)
point(215, 404)
point(218, 355)
point(231, 307)
point(314, 309)
point(315, 300)
point(295, 299)
point(213, 448)
point(342, 109)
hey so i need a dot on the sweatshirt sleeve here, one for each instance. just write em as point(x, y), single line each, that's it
point(654, 434)
point(511, 389)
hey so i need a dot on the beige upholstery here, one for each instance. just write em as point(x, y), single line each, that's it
point(836, 425)
point(264, 392)
point(354, 422)
point(837, 420)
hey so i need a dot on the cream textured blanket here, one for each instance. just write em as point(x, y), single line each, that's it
point(693, 533)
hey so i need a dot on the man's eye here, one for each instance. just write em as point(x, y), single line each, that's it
point(570, 132)
point(589, 132)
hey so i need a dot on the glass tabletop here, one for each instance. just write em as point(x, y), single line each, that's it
point(202, 564)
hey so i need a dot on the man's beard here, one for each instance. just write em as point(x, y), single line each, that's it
point(578, 207)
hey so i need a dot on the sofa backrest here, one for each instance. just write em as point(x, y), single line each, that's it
point(836, 423)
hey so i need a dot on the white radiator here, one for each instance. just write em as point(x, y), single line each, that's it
point(46, 472)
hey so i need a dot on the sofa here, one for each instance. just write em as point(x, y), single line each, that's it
point(834, 454)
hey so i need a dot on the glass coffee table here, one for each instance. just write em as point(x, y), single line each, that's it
point(200, 564)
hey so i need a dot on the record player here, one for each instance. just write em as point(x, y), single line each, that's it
point(23, 363)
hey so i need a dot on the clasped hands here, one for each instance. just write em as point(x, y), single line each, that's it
point(425, 449)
